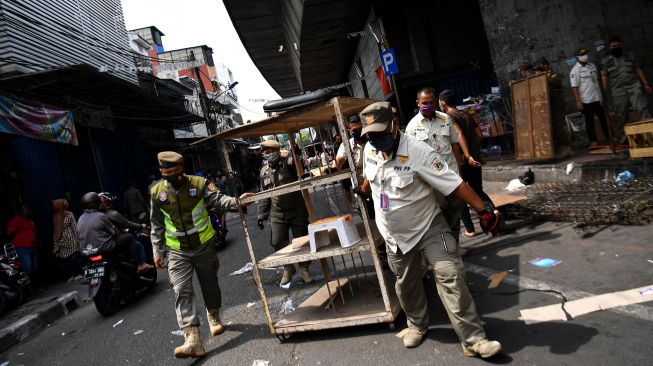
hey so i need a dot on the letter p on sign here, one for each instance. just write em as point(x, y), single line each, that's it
point(389, 62)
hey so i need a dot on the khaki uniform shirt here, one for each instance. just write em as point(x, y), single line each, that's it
point(621, 73)
point(407, 179)
point(288, 207)
point(586, 79)
point(213, 199)
point(438, 133)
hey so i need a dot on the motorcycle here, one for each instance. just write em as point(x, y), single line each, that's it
point(14, 283)
point(113, 281)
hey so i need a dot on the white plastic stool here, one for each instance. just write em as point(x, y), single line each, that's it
point(318, 232)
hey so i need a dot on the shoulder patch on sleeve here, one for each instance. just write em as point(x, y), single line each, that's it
point(438, 164)
point(211, 187)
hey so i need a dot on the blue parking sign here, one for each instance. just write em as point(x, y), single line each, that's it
point(389, 62)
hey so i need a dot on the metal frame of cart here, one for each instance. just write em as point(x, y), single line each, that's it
point(340, 302)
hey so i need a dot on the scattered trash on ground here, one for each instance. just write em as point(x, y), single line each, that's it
point(570, 167)
point(528, 178)
point(250, 304)
point(650, 261)
point(286, 286)
point(230, 322)
point(515, 185)
point(496, 279)
point(624, 177)
point(118, 323)
point(247, 268)
point(6, 363)
point(544, 262)
point(261, 363)
point(20, 354)
point(138, 332)
point(646, 291)
point(287, 307)
point(179, 333)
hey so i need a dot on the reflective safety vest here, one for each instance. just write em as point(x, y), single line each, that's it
point(187, 223)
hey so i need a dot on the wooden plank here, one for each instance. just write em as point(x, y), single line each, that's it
point(644, 152)
point(631, 129)
point(298, 186)
point(293, 121)
point(605, 151)
point(364, 307)
point(501, 200)
point(322, 296)
point(532, 119)
point(300, 251)
point(542, 123)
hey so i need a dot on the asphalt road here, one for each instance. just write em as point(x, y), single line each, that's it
point(610, 261)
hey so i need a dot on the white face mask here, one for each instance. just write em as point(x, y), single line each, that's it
point(583, 58)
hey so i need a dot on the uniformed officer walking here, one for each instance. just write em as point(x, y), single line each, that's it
point(181, 226)
point(437, 130)
point(287, 211)
point(623, 78)
point(402, 173)
point(584, 81)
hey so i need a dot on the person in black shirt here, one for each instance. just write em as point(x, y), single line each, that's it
point(470, 167)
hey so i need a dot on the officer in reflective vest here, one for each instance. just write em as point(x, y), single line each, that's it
point(181, 226)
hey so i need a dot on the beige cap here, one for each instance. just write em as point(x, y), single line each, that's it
point(284, 153)
point(270, 144)
point(376, 117)
point(169, 158)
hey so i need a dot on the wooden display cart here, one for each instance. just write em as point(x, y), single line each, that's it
point(532, 119)
point(343, 301)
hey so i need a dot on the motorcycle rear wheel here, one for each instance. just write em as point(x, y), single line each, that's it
point(105, 301)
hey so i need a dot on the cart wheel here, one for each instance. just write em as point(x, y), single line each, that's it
point(282, 337)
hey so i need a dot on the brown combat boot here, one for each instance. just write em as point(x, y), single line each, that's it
point(305, 273)
point(288, 271)
point(192, 346)
point(214, 322)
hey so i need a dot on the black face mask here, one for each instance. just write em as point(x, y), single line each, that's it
point(617, 51)
point(382, 141)
point(173, 178)
point(358, 137)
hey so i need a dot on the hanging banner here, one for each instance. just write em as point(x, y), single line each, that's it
point(36, 121)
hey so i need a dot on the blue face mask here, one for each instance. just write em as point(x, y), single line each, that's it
point(382, 141)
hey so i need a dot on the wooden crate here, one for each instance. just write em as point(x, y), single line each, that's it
point(532, 119)
point(640, 138)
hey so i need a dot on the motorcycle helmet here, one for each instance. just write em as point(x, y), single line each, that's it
point(106, 200)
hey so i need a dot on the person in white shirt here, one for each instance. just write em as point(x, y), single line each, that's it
point(437, 130)
point(584, 80)
point(402, 174)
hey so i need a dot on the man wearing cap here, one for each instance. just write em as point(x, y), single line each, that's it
point(584, 81)
point(288, 211)
point(624, 79)
point(402, 173)
point(181, 226)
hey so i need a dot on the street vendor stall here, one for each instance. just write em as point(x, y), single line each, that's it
point(351, 295)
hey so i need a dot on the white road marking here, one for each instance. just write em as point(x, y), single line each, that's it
point(636, 311)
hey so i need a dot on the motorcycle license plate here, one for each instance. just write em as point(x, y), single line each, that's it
point(94, 272)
